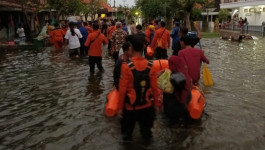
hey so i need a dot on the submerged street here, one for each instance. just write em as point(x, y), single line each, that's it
point(48, 101)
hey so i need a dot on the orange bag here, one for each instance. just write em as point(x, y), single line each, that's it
point(197, 103)
point(111, 107)
point(149, 51)
point(159, 42)
point(160, 65)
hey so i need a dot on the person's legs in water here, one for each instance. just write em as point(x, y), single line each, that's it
point(72, 53)
point(158, 53)
point(76, 52)
point(92, 61)
point(82, 47)
point(98, 61)
point(109, 46)
point(116, 56)
point(164, 54)
point(127, 124)
point(146, 121)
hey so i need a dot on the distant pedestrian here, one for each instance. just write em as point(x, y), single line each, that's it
point(183, 31)
point(57, 35)
point(84, 32)
point(111, 29)
point(117, 39)
point(124, 27)
point(94, 42)
point(21, 33)
point(161, 41)
point(133, 28)
point(139, 30)
point(175, 35)
point(193, 58)
point(88, 27)
point(152, 33)
point(72, 38)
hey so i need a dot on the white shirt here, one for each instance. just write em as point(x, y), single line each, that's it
point(20, 32)
point(73, 39)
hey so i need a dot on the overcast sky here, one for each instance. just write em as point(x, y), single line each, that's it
point(122, 2)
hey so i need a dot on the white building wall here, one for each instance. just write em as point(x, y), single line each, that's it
point(254, 18)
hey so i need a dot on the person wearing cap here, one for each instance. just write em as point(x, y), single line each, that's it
point(152, 33)
point(175, 35)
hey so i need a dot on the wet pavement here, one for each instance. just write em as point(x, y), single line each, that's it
point(50, 102)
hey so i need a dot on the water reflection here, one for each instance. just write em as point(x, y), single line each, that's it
point(49, 101)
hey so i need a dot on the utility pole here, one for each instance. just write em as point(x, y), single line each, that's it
point(112, 10)
point(115, 8)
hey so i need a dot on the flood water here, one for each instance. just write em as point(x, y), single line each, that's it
point(50, 102)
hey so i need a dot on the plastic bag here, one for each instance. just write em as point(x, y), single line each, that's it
point(164, 82)
point(178, 80)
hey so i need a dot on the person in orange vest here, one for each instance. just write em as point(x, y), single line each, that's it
point(147, 33)
point(156, 24)
point(161, 42)
point(57, 35)
point(94, 42)
point(110, 30)
point(138, 92)
point(89, 29)
point(49, 30)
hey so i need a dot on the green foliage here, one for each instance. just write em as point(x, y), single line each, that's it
point(210, 34)
point(67, 6)
point(223, 13)
point(196, 14)
point(151, 9)
point(91, 9)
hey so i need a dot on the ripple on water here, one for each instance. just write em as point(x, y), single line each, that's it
point(51, 102)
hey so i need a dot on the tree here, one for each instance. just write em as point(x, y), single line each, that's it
point(30, 6)
point(151, 9)
point(68, 7)
point(187, 6)
point(91, 9)
point(196, 14)
point(223, 13)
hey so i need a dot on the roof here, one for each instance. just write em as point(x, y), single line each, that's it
point(102, 4)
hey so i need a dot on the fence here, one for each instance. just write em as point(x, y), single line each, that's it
point(248, 28)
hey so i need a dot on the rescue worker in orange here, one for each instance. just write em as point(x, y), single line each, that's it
point(94, 42)
point(161, 42)
point(110, 30)
point(49, 30)
point(147, 33)
point(89, 29)
point(139, 96)
point(57, 35)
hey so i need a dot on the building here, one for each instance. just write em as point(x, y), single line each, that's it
point(211, 12)
point(105, 11)
point(15, 12)
point(253, 10)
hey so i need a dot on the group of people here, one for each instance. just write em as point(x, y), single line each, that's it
point(135, 77)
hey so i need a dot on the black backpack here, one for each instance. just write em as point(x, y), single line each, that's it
point(141, 82)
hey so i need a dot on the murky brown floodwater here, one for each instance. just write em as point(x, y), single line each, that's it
point(50, 102)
